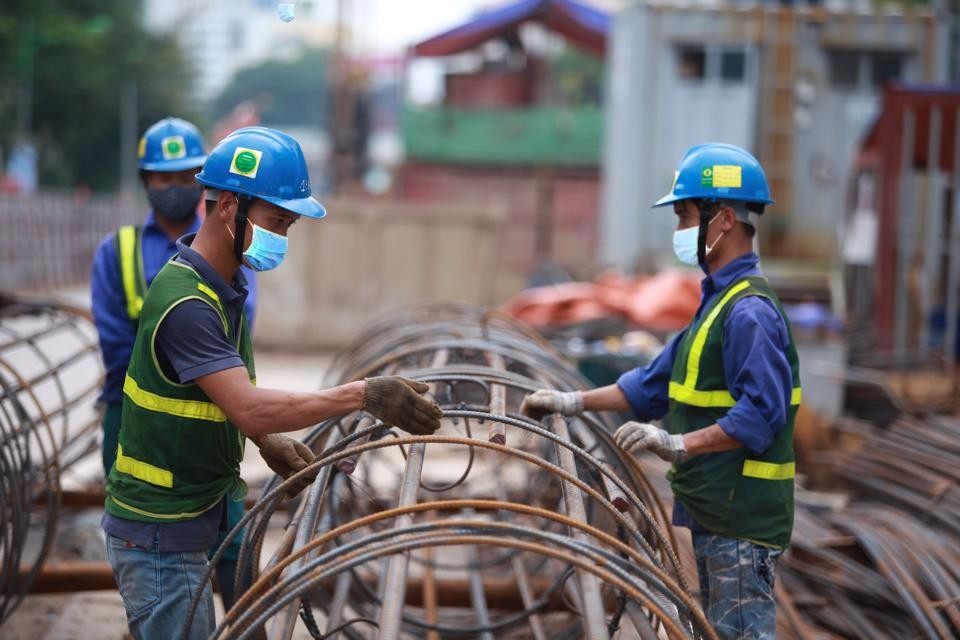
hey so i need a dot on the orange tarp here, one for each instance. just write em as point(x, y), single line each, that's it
point(663, 302)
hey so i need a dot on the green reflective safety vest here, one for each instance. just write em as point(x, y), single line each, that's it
point(128, 243)
point(732, 493)
point(178, 454)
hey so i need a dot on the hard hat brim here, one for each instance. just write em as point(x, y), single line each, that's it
point(670, 198)
point(168, 166)
point(308, 207)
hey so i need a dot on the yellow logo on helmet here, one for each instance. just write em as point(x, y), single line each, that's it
point(727, 175)
point(246, 162)
point(142, 147)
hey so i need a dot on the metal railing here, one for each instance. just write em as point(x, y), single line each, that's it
point(47, 240)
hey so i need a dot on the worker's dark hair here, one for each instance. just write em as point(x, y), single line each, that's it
point(710, 206)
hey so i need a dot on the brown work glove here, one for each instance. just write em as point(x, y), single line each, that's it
point(285, 456)
point(398, 401)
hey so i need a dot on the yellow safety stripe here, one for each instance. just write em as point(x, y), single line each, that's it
point(193, 409)
point(769, 470)
point(687, 392)
point(210, 292)
point(127, 237)
point(719, 398)
point(164, 516)
point(700, 340)
point(143, 470)
point(207, 290)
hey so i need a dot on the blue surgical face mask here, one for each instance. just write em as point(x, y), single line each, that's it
point(685, 243)
point(266, 250)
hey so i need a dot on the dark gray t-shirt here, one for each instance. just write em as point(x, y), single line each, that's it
point(191, 343)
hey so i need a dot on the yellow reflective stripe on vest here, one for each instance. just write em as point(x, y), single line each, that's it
point(127, 238)
point(768, 470)
point(143, 470)
point(164, 516)
point(700, 340)
point(687, 393)
point(193, 409)
point(697, 398)
point(722, 398)
point(207, 290)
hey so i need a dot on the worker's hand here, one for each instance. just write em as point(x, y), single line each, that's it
point(544, 402)
point(286, 456)
point(634, 437)
point(399, 402)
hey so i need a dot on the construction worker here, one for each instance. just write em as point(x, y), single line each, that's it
point(727, 390)
point(189, 393)
point(169, 154)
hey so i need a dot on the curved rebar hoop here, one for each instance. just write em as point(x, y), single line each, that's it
point(546, 530)
point(50, 374)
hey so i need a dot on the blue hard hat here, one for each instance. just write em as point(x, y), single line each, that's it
point(718, 171)
point(171, 145)
point(263, 163)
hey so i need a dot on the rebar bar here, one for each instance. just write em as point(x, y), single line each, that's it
point(50, 373)
point(498, 486)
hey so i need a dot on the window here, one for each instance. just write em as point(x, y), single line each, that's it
point(692, 63)
point(864, 70)
point(711, 64)
point(844, 68)
point(733, 66)
point(885, 67)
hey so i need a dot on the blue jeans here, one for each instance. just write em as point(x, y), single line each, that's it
point(736, 586)
point(157, 588)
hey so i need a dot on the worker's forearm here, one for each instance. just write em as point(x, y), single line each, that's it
point(275, 411)
point(710, 439)
point(609, 398)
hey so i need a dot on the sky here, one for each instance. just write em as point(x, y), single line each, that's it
point(388, 26)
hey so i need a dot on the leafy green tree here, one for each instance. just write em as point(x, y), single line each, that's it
point(76, 57)
point(286, 92)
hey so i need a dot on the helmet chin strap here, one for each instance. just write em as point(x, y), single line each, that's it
point(240, 235)
point(705, 219)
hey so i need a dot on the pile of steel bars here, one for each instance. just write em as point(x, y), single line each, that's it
point(50, 373)
point(888, 565)
point(495, 526)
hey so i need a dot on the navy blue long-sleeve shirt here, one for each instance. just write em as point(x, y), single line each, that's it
point(115, 330)
point(755, 341)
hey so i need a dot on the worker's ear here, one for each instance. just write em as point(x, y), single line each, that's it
point(227, 206)
point(728, 219)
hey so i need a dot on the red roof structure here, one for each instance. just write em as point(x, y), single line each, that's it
point(905, 121)
point(579, 23)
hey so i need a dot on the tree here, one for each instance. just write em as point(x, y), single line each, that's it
point(286, 92)
point(78, 55)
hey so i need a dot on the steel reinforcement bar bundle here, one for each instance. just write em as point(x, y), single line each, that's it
point(50, 374)
point(887, 565)
point(495, 526)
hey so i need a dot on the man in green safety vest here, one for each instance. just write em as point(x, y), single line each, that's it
point(189, 395)
point(726, 388)
point(169, 155)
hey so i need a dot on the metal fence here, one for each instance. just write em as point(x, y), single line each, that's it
point(47, 240)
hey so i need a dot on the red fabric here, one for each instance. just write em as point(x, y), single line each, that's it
point(664, 302)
